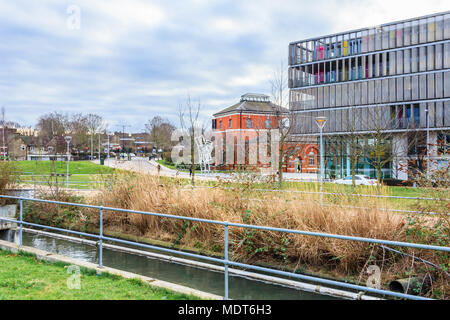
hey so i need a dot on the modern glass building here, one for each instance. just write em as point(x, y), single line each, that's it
point(393, 78)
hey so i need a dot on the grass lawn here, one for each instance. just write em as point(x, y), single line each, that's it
point(75, 167)
point(23, 277)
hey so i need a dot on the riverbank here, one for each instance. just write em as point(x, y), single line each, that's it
point(29, 275)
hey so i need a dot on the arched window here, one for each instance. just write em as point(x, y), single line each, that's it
point(230, 123)
point(249, 122)
point(311, 159)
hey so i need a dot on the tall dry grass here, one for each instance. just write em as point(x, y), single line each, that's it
point(149, 193)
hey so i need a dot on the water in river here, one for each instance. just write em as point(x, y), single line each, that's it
point(200, 279)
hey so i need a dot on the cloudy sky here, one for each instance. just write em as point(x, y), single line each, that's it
point(131, 60)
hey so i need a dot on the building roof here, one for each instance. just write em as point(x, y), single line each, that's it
point(253, 103)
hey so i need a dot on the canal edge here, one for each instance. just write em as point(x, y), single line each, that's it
point(53, 257)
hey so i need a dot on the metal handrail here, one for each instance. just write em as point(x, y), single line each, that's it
point(226, 262)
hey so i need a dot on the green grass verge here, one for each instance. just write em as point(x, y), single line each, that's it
point(76, 181)
point(75, 167)
point(23, 277)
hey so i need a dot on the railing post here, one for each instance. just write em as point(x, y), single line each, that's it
point(100, 262)
point(226, 261)
point(20, 219)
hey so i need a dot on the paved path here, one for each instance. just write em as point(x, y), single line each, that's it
point(150, 166)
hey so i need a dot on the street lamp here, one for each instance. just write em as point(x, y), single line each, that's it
point(320, 121)
point(68, 139)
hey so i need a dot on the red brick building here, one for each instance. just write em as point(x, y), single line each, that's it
point(241, 135)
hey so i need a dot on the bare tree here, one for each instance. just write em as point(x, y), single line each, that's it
point(190, 123)
point(94, 124)
point(383, 143)
point(160, 131)
point(78, 129)
point(284, 116)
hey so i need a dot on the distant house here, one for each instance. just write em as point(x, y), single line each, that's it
point(15, 148)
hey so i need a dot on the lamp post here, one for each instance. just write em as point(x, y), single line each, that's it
point(320, 121)
point(68, 139)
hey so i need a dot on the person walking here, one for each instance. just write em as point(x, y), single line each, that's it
point(159, 168)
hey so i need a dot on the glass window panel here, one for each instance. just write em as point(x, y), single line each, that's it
point(408, 89)
point(399, 35)
point(447, 55)
point(430, 86)
point(371, 93)
point(392, 36)
point(439, 85)
point(357, 93)
point(415, 32)
point(384, 65)
point(385, 37)
point(447, 114)
point(431, 115)
point(378, 38)
point(438, 56)
point(399, 62)
point(351, 94)
point(439, 28)
point(423, 30)
point(377, 65)
point(344, 95)
point(326, 96)
point(414, 60)
point(447, 26)
point(399, 85)
point(415, 88)
point(384, 90)
point(370, 65)
point(392, 90)
point(422, 59)
point(320, 97)
point(364, 93)
point(430, 58)
point(378, 92)
point(365, 41)
point(392, 62)
point(338, 95)
point(439, 114)
point(422, 115)
point(315, 100)
point(407, 34)
point(447, 84)
point(406, 61)
point(431, 29)
point(372, 39)
point(333, 96)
